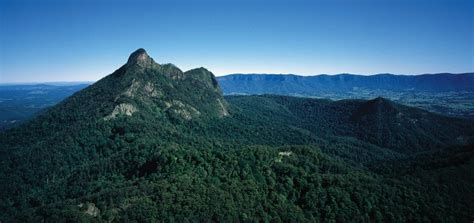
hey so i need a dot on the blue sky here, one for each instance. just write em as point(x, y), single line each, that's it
point(72, 40)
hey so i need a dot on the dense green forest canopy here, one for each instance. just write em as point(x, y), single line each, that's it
point(152, 143)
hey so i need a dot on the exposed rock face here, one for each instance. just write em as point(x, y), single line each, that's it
point(130, 92)
point(89, 209)
point(223, 109)
point(122, 109)
point(151, 91)
point(92, 210)
point(138, 88)
point(283, 154)
point(180, 109)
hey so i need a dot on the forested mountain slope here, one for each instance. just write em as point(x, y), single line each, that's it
point(378, 121)
point(152, 143)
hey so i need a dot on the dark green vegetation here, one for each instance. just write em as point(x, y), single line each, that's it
point(151, 143)
point(447, 94)
point(20, 102)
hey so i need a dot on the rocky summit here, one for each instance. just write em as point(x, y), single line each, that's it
point(142, 85)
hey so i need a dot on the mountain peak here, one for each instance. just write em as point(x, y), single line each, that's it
point(140, 57)
point(376, 107)
point(379, 104)
point(144, 86)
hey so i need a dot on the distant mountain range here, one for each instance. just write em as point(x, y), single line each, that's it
point(314, 85)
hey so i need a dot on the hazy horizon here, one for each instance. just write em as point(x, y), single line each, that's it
point(62, 83)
